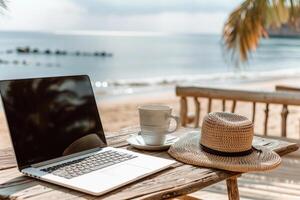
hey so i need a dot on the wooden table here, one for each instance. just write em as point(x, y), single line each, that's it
point(181, 179)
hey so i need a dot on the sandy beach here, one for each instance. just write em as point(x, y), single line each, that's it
point(118, 114)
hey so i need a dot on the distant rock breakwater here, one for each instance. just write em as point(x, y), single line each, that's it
point(28, 63)
point(57, 52)
point(46, 52)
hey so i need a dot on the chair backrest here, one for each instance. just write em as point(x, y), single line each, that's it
point(280, 98)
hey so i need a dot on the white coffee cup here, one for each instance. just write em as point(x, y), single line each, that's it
point(155, 123)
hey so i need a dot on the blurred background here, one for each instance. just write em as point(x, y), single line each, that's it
point(132, 47)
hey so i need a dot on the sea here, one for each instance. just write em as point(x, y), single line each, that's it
point(142, 62)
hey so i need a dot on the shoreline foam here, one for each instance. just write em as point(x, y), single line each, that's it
point(113, 88)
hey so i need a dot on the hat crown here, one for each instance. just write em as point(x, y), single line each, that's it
point(227, 132)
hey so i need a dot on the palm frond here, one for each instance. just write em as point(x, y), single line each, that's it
point(247, 24)
point(3, 6)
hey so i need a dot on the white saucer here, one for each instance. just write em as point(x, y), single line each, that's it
point(138, 142)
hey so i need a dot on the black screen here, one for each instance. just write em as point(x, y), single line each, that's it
point(51, 117)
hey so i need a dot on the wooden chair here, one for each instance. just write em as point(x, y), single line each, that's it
point(280, 98)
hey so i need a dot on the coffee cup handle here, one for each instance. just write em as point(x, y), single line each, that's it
point(177, 120)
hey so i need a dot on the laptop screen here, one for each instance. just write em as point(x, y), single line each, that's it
point(51, 117)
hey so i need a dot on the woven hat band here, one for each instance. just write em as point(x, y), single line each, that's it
point(226, 154)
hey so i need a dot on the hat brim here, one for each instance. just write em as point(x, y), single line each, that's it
point(187, 149)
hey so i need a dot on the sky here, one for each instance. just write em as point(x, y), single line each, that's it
point(175, 16)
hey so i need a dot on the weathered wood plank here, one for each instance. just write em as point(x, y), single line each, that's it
point(175, 182)
point(7, 159)
point(185, 198)
point(286, 88)
point(180, 180)
point(282, 147)
point(21, 186)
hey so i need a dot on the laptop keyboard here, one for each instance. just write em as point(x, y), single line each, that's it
point(88, 164)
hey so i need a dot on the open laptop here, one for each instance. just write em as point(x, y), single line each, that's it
point(58, 137)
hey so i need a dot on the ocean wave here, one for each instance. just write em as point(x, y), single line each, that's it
point(229, 77)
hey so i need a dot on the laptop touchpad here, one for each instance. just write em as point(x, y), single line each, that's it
point(125, 172)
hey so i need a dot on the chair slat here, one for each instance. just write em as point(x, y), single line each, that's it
point(209, 105)
point(223, 105)
point(197, 111)
point(284, 114)
point(233, 106)
point(183, 110)
point(266, 119)
point(253, 111)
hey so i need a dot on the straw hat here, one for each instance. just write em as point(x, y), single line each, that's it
point(226, 142)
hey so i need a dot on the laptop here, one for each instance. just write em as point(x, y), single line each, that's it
point(57, 136)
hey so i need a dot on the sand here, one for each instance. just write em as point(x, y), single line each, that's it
point(118, 114)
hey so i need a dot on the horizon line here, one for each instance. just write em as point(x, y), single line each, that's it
point(111, 33)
